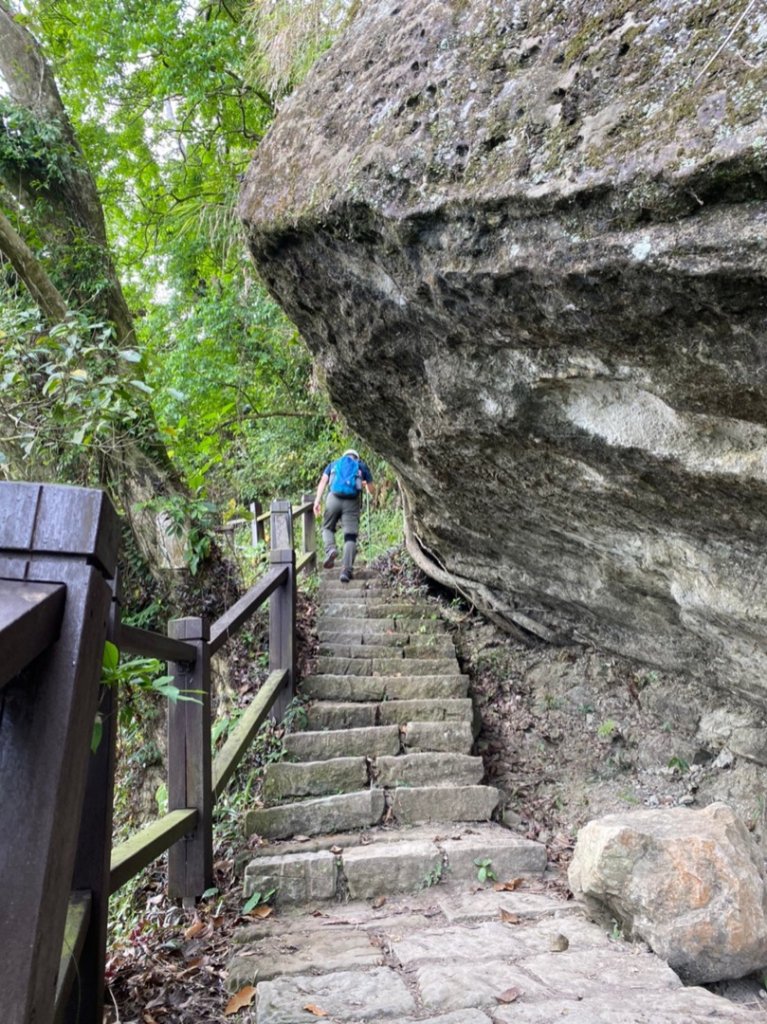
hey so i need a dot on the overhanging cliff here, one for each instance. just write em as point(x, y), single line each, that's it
point(527, 244)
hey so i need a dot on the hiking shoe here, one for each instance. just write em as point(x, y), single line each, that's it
point(330, 557)
point(346, 575)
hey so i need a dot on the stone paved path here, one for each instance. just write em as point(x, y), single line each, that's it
point(376, 829)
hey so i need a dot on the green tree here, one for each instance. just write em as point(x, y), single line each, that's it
point(117, 219)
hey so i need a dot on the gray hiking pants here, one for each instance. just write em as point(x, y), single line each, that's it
point(348, 511)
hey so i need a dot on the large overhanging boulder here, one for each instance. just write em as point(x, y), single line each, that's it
point(526, 244)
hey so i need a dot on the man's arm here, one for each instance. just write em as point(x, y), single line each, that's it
point(318, 497)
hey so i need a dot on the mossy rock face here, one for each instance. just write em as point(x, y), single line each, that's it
point(526, 244)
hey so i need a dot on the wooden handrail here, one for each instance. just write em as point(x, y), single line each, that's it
point(253, 718)
point(148, 644)
point(232, 619)
point(71, 619)
point(78, 919)
point(135, 853)
point(30, 620)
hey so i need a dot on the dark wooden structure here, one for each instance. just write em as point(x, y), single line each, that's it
point(58, 554)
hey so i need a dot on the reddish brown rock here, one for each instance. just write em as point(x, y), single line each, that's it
point(690, 883)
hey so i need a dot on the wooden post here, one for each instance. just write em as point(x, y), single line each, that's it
point(282, 605)
point(91, 873)
point(309, 534)
point(280, 525)
point(256, 529)
point(63, 535)
point(190, 861)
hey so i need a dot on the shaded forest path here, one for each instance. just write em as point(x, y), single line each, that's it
point(399, 898)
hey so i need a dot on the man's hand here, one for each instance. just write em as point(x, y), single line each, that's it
point(317, 507)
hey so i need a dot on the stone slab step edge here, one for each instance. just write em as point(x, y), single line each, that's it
point(378, 624)
point(379, 688)
point(379, 741)
point(387, 666)
point(388, 650)
point(347, 811)
point(322, 715)
point(288, 780)
point(381, 869)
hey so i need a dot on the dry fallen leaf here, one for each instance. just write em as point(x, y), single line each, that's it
point(508, 918)
point(194, 929)
point(240, 1000)
point(300, 839)
point(378, 902)
point(336, 850)
point(262, 911)
point(508, 886)
point(316, 1010)
point(509, 996)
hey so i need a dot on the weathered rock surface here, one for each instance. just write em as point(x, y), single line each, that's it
point(690, 883)
point(526, 244)
point(503, 963)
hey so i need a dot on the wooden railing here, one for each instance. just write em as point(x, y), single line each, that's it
point(58, 555)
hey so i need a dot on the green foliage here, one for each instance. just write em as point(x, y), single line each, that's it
point(485, 871)
point(607, 730)
point(69, 396)
point(31, 146)
point(679, 764)
point(290, 35)
point(258, 899)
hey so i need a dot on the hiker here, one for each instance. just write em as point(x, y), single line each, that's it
point(347, 477)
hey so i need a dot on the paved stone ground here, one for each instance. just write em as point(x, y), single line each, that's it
point(374, 832)
point(453, 954)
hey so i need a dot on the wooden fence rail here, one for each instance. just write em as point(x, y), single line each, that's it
point(58, 555)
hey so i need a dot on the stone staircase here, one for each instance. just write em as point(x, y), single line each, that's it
point(373, 831)
point(380, 793)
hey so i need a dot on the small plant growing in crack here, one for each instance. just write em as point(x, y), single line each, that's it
point(485, 871)
point(258, 899)
point(434, 877)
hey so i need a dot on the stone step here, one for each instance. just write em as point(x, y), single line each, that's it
point(378, 688)
point(372, 741)
point(346, 715)
point(377, 609)
point(387, 666)
point(361, 574)
point(418, 737)
point(443, 803)
point(393, 861)
point(285, 780)
point(343, 634)
point(427, 769)
point(341, 813)
point(368, 626)
point(417, 649)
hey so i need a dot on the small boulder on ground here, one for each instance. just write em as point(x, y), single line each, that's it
point(690, 883)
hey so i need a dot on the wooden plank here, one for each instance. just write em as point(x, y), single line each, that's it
point(242, 735)
point(282, 628)
point(148, 644)
point(78, 918)
point(45, 730)
point(94, 847)
point(54, 519)
point(281, 528)
point(190, 860)
point(30, 620)
point(147, 845)
point(300, 510)
point(306, 561)
point(231, 620)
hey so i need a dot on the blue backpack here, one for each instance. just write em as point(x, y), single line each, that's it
point(347, 477)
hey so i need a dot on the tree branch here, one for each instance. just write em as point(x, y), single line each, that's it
point(27, 266)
